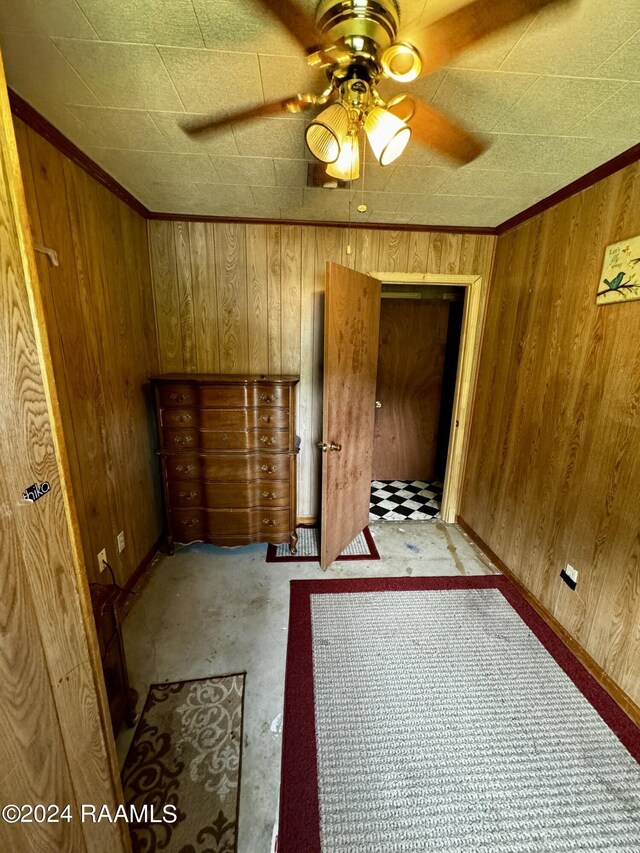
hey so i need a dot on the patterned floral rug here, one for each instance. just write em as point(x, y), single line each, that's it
point(184, 762)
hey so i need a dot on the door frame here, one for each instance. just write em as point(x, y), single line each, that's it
point(466, 374)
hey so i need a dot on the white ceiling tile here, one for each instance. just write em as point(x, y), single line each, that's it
point(191, 168)
point(272, 137)
point(560, 154)
point(130, 129)
point(480, 99)
point(617, 118)
point(126, 165)
point(291, 173)
point(255, 171)
point(171, 22)
point(284, 76)
point(281, 196)
point(46, 18)
point(131, 76)
point(477, 182)
point(241, 25)
point(50, 79)
point(574, 39)
point(73, 128)
point(170, 126)
point(226, 194)
point(415, 179)
point(491, 52)
point(556, 103)
point(624, 64)
point(210, 81)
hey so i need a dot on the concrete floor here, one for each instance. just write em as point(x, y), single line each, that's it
point(211, 611)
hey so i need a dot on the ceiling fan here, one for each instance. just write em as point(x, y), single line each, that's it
point(359, 43)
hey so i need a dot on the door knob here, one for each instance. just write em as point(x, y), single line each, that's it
point(378, 404)
point(325, 447)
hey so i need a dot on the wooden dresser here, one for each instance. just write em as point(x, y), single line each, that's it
point(228, 449)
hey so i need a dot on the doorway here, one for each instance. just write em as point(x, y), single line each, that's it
point(420, 330)
point(351, 330)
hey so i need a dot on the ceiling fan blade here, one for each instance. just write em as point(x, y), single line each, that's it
point(273, 108)
point(301, 25)
point(438, 131)
point(442, 40)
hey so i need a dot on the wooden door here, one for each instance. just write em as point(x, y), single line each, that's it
point(413, 337)
point(352, 320)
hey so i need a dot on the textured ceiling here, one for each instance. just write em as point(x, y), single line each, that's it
point(554, 96)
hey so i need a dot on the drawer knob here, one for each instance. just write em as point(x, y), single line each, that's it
point(270, 469)
point(190, 522)
point(184, 419)
point(270, 496)
point(268, 398)
point(269, 522)
point(266, 439)
point(267, 419)
point(186, 468)
point(178, 398)
point(182, 439)
point(187, 494)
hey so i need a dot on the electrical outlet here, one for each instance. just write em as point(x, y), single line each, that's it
point(102, 560)
point(570, 576)
point(121, 542)
point(573, 573)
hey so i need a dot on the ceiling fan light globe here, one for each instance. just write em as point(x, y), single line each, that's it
point(387, 134)
point(326, 135)
point(347, 166)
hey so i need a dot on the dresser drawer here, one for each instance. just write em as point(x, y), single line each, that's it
point(252, 466)
point(180, 439)
point(240, 396)
point(179, 418)
point(243, 419)
point(190, 524)
point(183, 467)
point(244, 440)
point(182, 396)
point(260, 493)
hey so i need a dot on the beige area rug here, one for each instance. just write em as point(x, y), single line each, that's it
point(186, 755)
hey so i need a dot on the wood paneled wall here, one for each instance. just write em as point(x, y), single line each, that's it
point(236, 297)
point(100, 315)
point(53, 745)
point(553, 474)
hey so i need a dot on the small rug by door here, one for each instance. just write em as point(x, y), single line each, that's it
point(186, 753)
point(442, 714)
point(362, 548)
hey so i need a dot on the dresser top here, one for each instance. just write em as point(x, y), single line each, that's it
point(227, 378)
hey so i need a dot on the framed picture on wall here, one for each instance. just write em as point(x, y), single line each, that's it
point(620, 279)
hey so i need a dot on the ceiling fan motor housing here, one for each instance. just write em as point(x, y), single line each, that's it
point(366, 26)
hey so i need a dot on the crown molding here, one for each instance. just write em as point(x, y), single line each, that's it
point(621, 161)
point(380, 226)
point(41, 125)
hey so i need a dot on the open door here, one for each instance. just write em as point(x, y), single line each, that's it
point(351, 326)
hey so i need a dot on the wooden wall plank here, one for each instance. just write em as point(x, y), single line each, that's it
point(167, 300)
point(274, 300)
point(554, 461)
point(231, 269)
point(185, 294)
point(205, 298)
point(258, 298)
point(291, 287)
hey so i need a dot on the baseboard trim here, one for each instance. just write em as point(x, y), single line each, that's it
point(137, 578)
point(307, 519)
point(613, 689)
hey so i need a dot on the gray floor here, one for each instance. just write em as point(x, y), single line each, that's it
point(210, 611)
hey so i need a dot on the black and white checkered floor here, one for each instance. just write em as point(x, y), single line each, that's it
point(405, 500)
